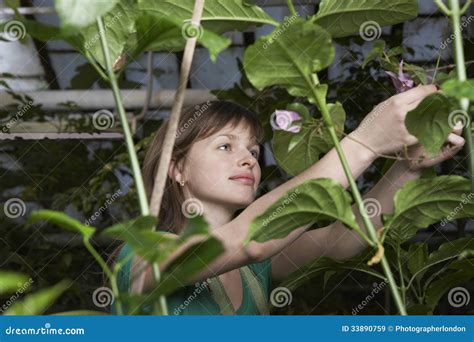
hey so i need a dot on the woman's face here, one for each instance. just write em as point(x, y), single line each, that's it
point(213, 162)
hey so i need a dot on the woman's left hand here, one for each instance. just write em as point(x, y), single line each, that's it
point(419, 159)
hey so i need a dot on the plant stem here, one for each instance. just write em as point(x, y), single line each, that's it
point(321, 101)
point(402, 281)
point(95, 65)
point(108, 272)
point(142, 198)
point(461, 72)
point(291, 7)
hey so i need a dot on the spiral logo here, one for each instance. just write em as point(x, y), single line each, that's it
point(102, 297)
point(372, 207)
point(283, 119)
point(192, 207)
point(280, 297)
point(103, 119)
point(459, 116)
point(191, 30)
point(14, 30)
point(370, 30)
point(458, 296)
point(14, 208)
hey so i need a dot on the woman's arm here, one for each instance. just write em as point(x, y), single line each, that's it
point(389, 114)
point(338, 242)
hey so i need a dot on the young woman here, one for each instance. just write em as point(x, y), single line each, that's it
point(215, 167)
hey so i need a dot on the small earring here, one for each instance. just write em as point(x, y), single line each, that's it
point(181, 183)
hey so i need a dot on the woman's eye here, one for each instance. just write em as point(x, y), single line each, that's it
point(255, 153)
point(224, 145)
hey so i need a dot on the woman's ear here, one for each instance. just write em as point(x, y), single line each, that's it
point(174, 171)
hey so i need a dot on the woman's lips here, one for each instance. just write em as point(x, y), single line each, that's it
point(245, 181)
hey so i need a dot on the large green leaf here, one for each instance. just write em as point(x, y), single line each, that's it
point(288, 56)
point(61, 219)
point(446, 252)
point(425, 201)
point(78, 14)
point(345, 17)
point(153, 246)
point(295, 152)
point(165, 34)
point(323, 265)
point(430, 121)
point(438, 288)
point(191, 261)
point(12, 281)
point(37, 303)
point(218, 16)
point(319, 201)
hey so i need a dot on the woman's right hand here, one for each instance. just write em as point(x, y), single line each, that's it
point(383, 130)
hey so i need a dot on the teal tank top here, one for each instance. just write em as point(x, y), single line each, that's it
point(195, 299)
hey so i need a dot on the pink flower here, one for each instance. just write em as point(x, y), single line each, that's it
point(283, 120)
point(402, 81)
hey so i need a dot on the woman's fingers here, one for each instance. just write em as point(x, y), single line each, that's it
point(456, 140)
point(458, 128)
point(417, 93)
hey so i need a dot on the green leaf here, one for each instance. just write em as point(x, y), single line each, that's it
point(430, 122)
point(217, 16)
point(376, 52)
point(295, 152)
point(61, 219)
point(191, 261)
point(12, 281)
point(323, 265)
point(166, 34)
point(447, 251)
point(319, 201)
point(37, 303)
point(459, 89)
point(438, 288)
point(78, 14)
point(153, 246)
point(288, 56)
point(422, 202)
point(344, 18)
point(417, 256)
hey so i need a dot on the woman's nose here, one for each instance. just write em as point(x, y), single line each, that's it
point(249, 159)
